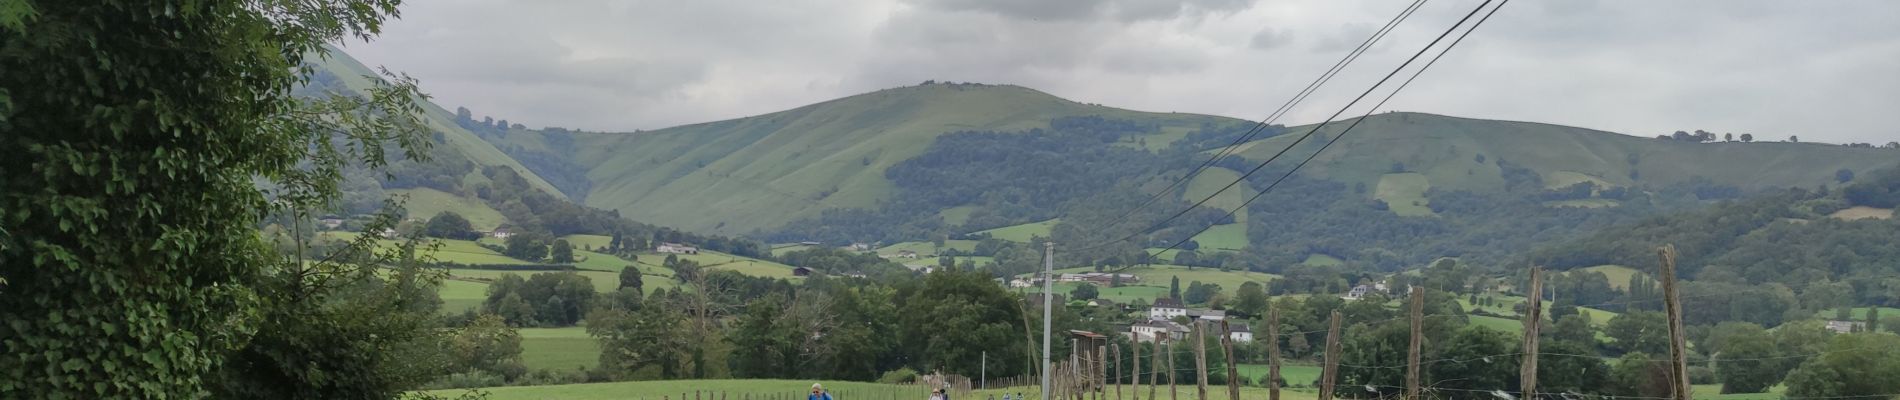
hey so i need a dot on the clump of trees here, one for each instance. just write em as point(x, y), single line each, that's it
point(549, 299)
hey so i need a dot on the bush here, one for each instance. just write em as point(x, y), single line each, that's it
point(464, 380)
point(554, 377)
point(901, 375)
point(1699, 375)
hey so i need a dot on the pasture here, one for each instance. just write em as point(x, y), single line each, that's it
point(1404, 194)
point(1024, 232)
point(425, 203)
point(558, 348)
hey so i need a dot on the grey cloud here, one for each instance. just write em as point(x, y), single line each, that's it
point(1819, 70)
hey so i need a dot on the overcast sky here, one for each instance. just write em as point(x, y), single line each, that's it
point(1826, 71)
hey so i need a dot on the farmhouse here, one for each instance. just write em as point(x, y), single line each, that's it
point(801, 271)
point(1240, 333)
point(1166, 308)
point(330, 222)
point(675, 248)
point(1098, 278)
point(1207, 315)
point(1845, 326)
point(501, 233)
point(907, 254)
point(1146, 331)
point(1019, 283)
point(859, 247)
point(1358, 292)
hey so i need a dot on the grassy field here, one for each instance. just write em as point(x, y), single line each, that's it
point(1404, 193)
point(956, 215)
point(1619, 275)
point(1583, 203)
point(1022, 233)
point(603, 281)
point(1223, 237)
point(425, 203)
point(1211, 180)
point(1126, 294)
point(1560, 179)
point(1500, 324)
point(928, 249)
point(1297, 375)
point(1859, 313)
point(781, 249)
point(459, 295)
point(589, 241)
point(558, 348)
point(1159, 276)
point(759, 388)
point(1862, 212)
point(1317, 259)
point(455, 251)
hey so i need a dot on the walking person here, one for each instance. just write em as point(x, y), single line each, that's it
point(818, 392)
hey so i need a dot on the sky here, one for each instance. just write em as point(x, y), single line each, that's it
point(1824, 71)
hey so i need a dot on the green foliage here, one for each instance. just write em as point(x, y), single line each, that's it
point(487, 345)
point(1084, 292)
point(1861, 364)
point(543, 299)
point(652, 335)
point(133, 263)
point(631, 278)
point(449, 225)
point(561, 252)
point(900, 375)
point(528, 246)
point(946, 319)
point(1639, 332)
point(1745, 360)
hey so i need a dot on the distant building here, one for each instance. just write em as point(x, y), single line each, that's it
point(501, 233)
point(1166, 308)
point(809, 243)
point(330, 223)
point(1098, 278)
point(1146, 331)
point(1020, 283)
point(676, 248)
point(1845, 326)
point(801, 271)
point(1240, 333)
point(907, 254)
point(1207, 315)
point(859, 247)
point(1357, 292)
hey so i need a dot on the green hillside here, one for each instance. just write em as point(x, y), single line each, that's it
point(753, 173)
point(454, 137)
point(1446, 151)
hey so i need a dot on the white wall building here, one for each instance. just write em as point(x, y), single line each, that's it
point(1166, 308)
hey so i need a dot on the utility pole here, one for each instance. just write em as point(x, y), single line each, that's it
point(1533, 317)
point(1418, 338)
point(1329, 377)
point(1273, 351)
point(1678, 359)
point(1233, 372)
point(984, 375)
point(1048, 301)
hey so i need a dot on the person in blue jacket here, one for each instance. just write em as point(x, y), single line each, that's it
point(818, 393)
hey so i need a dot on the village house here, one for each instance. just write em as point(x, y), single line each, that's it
point(501, 233)
point(1166, 308)
point(1207, 315)
point(1845, 326)
point(859, 247)
point(1240, 333)
point(330, 222)
point(675, 248)
point(1357, 292)
point(1146, 331)
point(1019, 283)
point(1098, 278)
point(907, 254)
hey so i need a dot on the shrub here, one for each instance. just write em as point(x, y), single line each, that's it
point(901, 375)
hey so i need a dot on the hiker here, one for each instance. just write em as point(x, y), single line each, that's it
point(818, 392)
point(937, 394)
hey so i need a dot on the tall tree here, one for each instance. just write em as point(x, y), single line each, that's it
point(1746, 360)
point(561, 252)
point(1853, 365)
point(448, 225)
point(133, 264)
point(1174, 287)
point(1748, 137)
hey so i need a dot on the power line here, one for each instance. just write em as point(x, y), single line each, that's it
point(1310, 133)
point(1362, 118)
point(1280, 112)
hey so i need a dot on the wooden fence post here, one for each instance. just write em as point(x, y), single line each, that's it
point(1330, 375)
point(1200, 361)
point(1100, 390)
point(1135, 361)
point(1418, 339)
point(1233, 366)
point(1678, 358)
point(1533, 319)
point(1116, 350)
point(1172, 393)
point(1154, 367)
point(1273, 351)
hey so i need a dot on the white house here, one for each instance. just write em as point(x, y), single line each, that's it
point(501, 233)
point(1020, 283)
point(1146, 331)
point(1358, 292)
point(676, 248)
point(1240, 333)
point(1845, 326)
point(1207, 315)
point(1166, 308)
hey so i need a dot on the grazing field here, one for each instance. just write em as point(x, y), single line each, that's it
point(1583, 203)
point(1142, 295)
point(654, 263)
point(1619, 275)
point(928, 249)
point(781, 249)
point(1022, 233)
point(1862, 212)
point(958, 215)
point(459, 295)
point(1223, 237)
point(1501, 324)
point(1212, 180)
point(454, 251)
point(558, 348)
point(759, 388)
point(1160, 276)
point(1296, 375)
point(1317, 259)
point(425, 203)
point(603, 281)
point(589, 241)
point(1858, 314)
point(1561, 179)
point(1404, 193)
